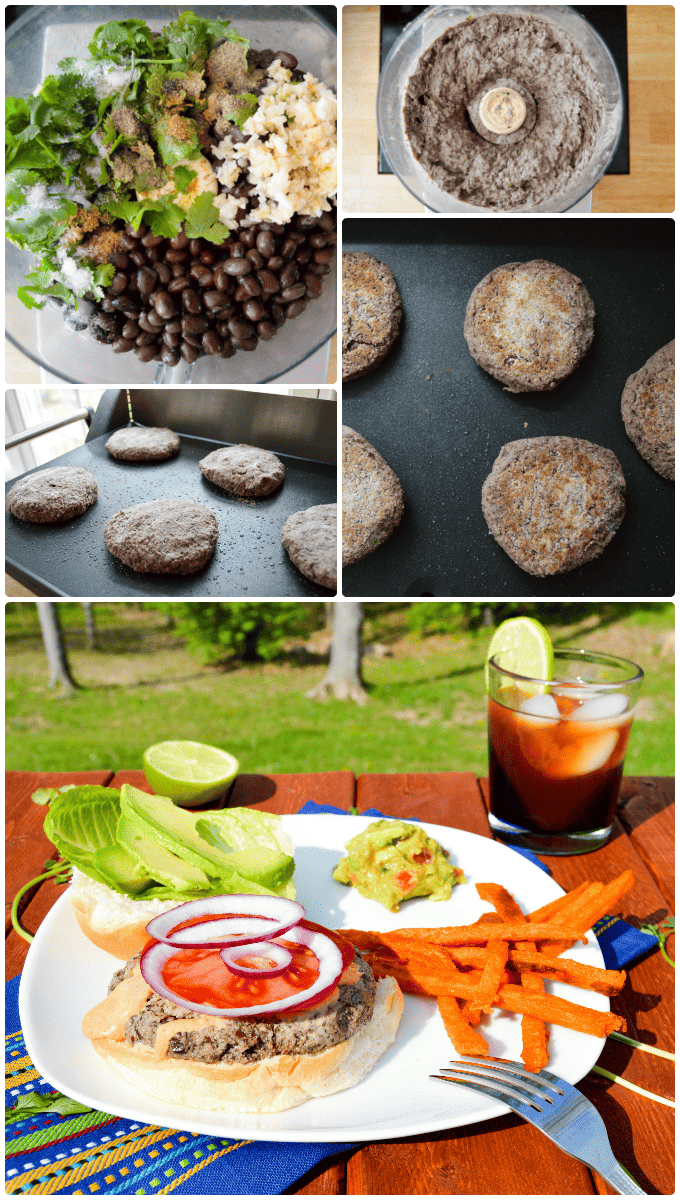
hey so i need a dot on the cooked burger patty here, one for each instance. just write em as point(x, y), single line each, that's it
point(249, 1039)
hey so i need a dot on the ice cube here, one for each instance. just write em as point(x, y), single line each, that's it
point(593, 753)
point(600, 708)
point(543, 705)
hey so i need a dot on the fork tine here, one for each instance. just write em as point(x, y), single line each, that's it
point(513, 1087)
point(542, 1083)
point(519, 1104)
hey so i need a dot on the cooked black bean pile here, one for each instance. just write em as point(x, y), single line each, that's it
point(186, 297)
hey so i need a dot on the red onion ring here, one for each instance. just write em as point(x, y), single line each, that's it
point(329, 956)
point(231, 955)
point(259, 918)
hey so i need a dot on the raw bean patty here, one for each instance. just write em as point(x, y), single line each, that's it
point(371, 313)
point(164, 537)
point(648, 410)
point(141, 444)
point(311, 539)
point(57, 494)
point(372, 498)
point(554, 503)
point(244, 470)
point(529, 324)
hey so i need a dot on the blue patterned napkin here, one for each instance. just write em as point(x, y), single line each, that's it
point(95, 1153)
point(619, 942)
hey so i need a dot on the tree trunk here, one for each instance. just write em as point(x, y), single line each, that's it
point(90, 629)
point(343, 677)
point(54, 648)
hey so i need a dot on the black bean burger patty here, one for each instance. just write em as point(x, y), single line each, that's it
point(249, 1039)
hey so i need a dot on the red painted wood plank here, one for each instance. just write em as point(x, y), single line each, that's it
point(288, 793)
point(446, 798)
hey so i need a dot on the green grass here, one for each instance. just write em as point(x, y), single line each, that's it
point(426, 708)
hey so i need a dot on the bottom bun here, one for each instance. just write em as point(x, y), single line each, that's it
point(268, 1086)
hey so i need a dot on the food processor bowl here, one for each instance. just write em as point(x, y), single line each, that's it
point(402, 62)
point(35, 44)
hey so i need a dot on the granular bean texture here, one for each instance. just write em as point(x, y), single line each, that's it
point(311, 539)
point(57, 494)
point(141, 444)
point(545, 61)
point(529, 324)
point(244, 470)
point(554, 503)
point(371, 313)
point(163, 537)
point(372, 498)
point(648, 410)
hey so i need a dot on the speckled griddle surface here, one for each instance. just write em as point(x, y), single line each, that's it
point(249, 560)
point(440, 421)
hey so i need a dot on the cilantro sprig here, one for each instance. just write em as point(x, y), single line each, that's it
point(662, 932)
point(50, 1102)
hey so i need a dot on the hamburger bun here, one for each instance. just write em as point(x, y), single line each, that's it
point(112, 921)
point(270, 1085)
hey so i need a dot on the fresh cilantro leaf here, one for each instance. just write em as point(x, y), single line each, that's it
point(33, 1102)
point(203, 220)
point(661, 932)
point(176, 138)
point(182, 177)
point(103, 274)
point(117, 41)
point(190, 38)
point(241, 115)
point(166, 221)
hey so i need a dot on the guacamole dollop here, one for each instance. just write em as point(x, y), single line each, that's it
point(393, 861)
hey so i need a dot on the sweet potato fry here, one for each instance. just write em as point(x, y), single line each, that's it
point(492, 974)
point(589, 908)
point(466, 1040)
point(558, 1011)
point(524, 957)
point(505, 905)
point(475, 935)
point(553, 907)
point(535, 1054)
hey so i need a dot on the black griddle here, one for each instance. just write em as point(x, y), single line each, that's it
point(609, 20)
point(71, 559)
point(439, 420)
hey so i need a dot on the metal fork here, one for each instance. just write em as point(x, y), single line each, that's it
point(553, 1106)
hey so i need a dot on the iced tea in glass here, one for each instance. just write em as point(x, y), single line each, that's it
point(556, 750)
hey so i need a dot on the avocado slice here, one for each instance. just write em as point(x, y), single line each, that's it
point(124, 870)
point(175, 829)
point(270, 868)
point(161, 864)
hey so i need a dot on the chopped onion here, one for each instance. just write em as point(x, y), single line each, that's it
point(232, 955)
point(328, 955)
point(247, 918)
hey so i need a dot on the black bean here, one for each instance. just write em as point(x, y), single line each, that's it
point(191, 301)
point(289, 274)
point(176, 256)
point(193, 324)
point(169, 356)
point(211, 342)
point(221, 279)
point(208, 257)
point(107, 305)
point(155, 319)
point(146, 339)
point(266, 330)
point(317, 240)
point(151, 239)
point(278, 314)
point(276, 262)
point(144, 324)
point(238, 267)
point(136, 233)
point(247, 238)
point(194, 339)
point(179, 285)
point(146, 280)
point(146, 353)
point(236, 250)
point(239, 330)
point(295, 292)
point(268, 281)
point(213, 300)
point(138, 257)
point(247, 344)
point(189, 353)
point(164, 305)
point(288, 248)
point(227, 350)
point(324, 256)
point(127, 241)
point(302, 257)
point(177, 270)
point(287, 60)
point(195, 247)
point(179, 241)
point(171, 339)
point(294, 309)
point(118, 284)
point(255, 258)
point(313, 284)
point(326, 222)
point(123, 345)
point(265, 244)
point(119, 259)
point(254, 311)
point(174, 326)
point(163, 272)
point(130, 329)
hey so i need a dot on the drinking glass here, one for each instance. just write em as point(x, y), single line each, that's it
point(556, 750)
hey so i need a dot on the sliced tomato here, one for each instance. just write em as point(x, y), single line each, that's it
point(201, 977)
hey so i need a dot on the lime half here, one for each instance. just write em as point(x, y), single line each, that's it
point(522, 645)
point(188, 772)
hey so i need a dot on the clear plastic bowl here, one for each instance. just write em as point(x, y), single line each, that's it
point(35, 43)
point(402, 62)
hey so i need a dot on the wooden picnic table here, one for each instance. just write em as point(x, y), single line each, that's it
point(504, 1156)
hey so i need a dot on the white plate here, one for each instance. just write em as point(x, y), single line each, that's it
point(65, 975)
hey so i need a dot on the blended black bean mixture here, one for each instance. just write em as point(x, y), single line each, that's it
point(475, 55)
